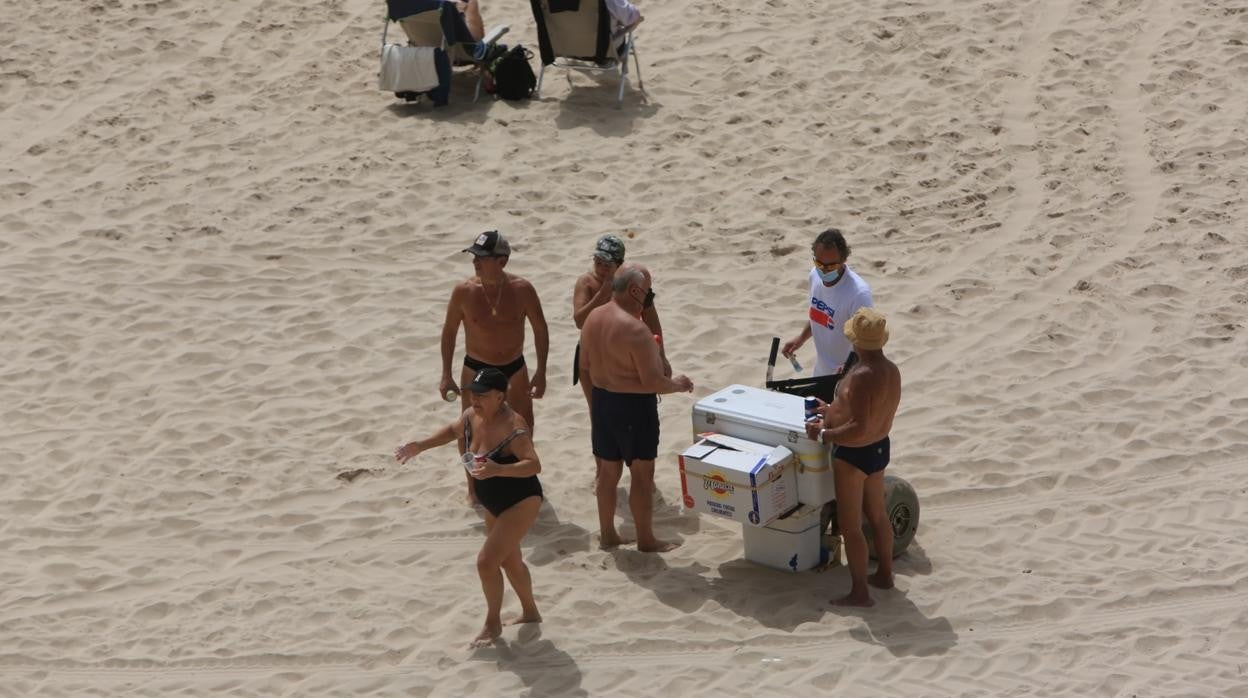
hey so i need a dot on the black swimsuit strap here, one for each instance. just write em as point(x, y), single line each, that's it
point(494, 451)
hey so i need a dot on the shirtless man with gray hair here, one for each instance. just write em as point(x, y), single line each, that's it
point(622, 369)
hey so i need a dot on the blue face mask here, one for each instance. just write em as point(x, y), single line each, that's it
point(828, 277)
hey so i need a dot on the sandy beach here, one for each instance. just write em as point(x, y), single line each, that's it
point(225, 258)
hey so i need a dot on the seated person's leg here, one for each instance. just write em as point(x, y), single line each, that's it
point(472, 17)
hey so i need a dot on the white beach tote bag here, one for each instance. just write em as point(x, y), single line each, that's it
point(407, 68)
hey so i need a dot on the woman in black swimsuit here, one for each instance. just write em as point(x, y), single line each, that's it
point(505, 482)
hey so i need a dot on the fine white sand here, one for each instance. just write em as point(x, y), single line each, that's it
point(225, 258)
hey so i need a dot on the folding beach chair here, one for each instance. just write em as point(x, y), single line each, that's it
point(578, 36)
point(439, 24)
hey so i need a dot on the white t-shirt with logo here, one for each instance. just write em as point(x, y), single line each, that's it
point(830, 308)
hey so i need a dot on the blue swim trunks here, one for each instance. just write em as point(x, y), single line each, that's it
point(625, 425)
point(869, 459)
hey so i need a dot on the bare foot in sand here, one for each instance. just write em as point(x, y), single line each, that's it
point(656, 546)
point(612, 540)
point(526, 617)
point(881, 580)
point(858, 601)
point(489, 633)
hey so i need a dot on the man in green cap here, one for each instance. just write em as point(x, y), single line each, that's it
point(593, 289)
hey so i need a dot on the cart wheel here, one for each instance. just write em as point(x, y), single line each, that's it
point(902, 505)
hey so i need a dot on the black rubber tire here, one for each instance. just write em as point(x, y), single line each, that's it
point(902, 505)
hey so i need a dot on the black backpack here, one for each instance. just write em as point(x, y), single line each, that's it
point(513, 78)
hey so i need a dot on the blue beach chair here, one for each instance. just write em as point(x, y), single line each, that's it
point(439, 25)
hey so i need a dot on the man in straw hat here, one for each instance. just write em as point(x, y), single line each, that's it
point(857, 422)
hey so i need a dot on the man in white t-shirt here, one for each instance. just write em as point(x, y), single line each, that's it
point(836, 293)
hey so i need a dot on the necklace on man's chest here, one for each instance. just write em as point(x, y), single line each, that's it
point(497, 298)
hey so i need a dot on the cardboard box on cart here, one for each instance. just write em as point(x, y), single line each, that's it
point(737, 479)
point(768, 417)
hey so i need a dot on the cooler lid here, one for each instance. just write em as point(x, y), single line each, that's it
point(757, 406)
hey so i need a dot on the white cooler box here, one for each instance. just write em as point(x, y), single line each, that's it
point(791, 544)
point(768, 417)
point(738, 479)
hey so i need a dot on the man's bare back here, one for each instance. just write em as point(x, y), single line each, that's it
point(620, 352)
point(622, 373)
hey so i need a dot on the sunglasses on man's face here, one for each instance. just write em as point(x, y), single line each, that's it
point(828, 266)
